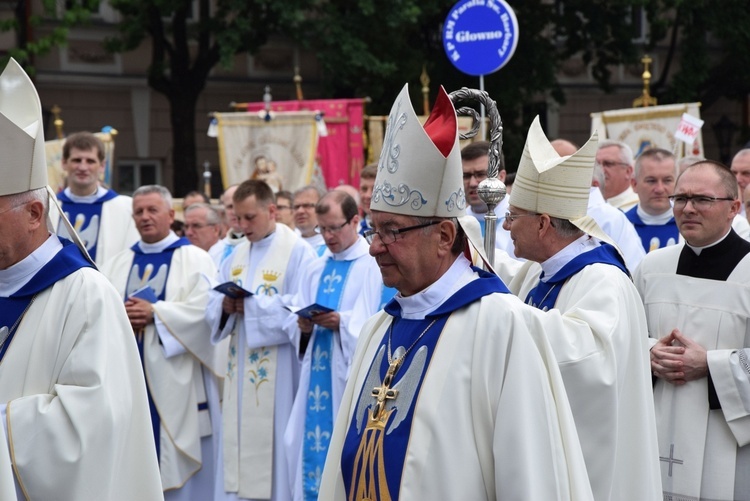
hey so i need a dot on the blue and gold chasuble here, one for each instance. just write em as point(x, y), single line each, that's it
point(653, 236)
point(152, 269)
point(319, 413)
point(376, 443)
point(544, 295)
point(85, 218)
point(68, 260)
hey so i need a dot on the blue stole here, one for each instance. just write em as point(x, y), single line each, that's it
point(319, 414)
point(654, 236)
point(141, 272)
point(544, 295)
point(320, 250)
point(374, 450)
point(363, 226)
point(86, 218)
point(68, 260)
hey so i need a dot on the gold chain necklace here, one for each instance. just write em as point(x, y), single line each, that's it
point(400, 359)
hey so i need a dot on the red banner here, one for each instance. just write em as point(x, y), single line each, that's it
point(341, 152)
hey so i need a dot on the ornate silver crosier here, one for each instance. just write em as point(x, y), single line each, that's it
point(491, 190)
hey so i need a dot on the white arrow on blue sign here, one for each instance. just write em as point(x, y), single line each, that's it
point(480, 36)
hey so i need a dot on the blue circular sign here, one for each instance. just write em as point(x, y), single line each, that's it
point(480, 36)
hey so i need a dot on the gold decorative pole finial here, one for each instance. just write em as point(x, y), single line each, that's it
point(645, 99)
point(424, 79)
point(298, 83)
point(58, 121)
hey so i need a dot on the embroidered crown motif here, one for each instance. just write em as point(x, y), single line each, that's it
point(237, 271)
point(270, 275)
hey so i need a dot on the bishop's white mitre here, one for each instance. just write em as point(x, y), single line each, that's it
point(419, 172)
point(24, 167)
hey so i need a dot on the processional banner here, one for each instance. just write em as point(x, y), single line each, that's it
point(653, 126)
point(280, 151)
point(340, 145)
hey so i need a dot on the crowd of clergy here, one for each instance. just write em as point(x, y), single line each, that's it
point(358, 344)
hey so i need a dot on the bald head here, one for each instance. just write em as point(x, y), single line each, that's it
point(563, 147)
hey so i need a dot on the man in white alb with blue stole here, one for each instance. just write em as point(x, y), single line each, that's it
point(73, 409)
point(163, 280)
point(102, 217)
point(449, 396)
point(347, 280)
point(594, 319)
point(263, 366)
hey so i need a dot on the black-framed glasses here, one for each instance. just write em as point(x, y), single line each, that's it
point(700, 202)
point(480, 175)
point(307, 206)
point(388, 236)
point(333, 229)
point(512, 217)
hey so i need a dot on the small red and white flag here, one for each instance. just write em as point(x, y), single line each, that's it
point(688, 129)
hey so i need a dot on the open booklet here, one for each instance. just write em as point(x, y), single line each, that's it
point(233, 290)
point(309, 311)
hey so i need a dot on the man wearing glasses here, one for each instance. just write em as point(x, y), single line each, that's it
point(305, 221)
point(345, 279)
point(594, 318)
point(696, 297)
point(203, 229)
point(448, 396)
point(474, 162)
point(616, 160)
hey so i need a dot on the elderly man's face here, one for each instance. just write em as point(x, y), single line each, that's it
point(411, 263)
point(617, 172)
point(523, 227)
point(199, 231)
point(153, 217)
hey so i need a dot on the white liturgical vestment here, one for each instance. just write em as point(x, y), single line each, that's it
point(181, 364)
point(597, 329)
point(490, 421)
point(360, 299)
point(704, 425)
point(263, 366)
point(77, 416)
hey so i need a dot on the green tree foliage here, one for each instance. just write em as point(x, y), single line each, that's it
point(186, 45)
point(23, 25)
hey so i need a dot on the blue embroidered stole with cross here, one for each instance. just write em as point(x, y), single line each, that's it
point(544, 295)
point(319, 411)
point(142, 273)
point(68, 260)
point(376, 443)
point(85, 218)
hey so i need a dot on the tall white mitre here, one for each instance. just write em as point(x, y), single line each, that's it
point(419, 172)
point(24, 167)
point(547, 183)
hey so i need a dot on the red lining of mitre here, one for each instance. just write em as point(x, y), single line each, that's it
point(441, 125)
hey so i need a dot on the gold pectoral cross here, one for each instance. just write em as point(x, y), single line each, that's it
point(384, 392)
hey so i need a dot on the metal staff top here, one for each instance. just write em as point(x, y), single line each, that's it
point(491, 190)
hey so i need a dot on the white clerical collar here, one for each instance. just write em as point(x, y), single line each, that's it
point(18, 275)
point(421, 304)
point(264, 242)
point(698, 250)
point(623, 198)
point(355, 251)
point(159, 246)
point(88, 199)
point(565, 255)
point(657, 220)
